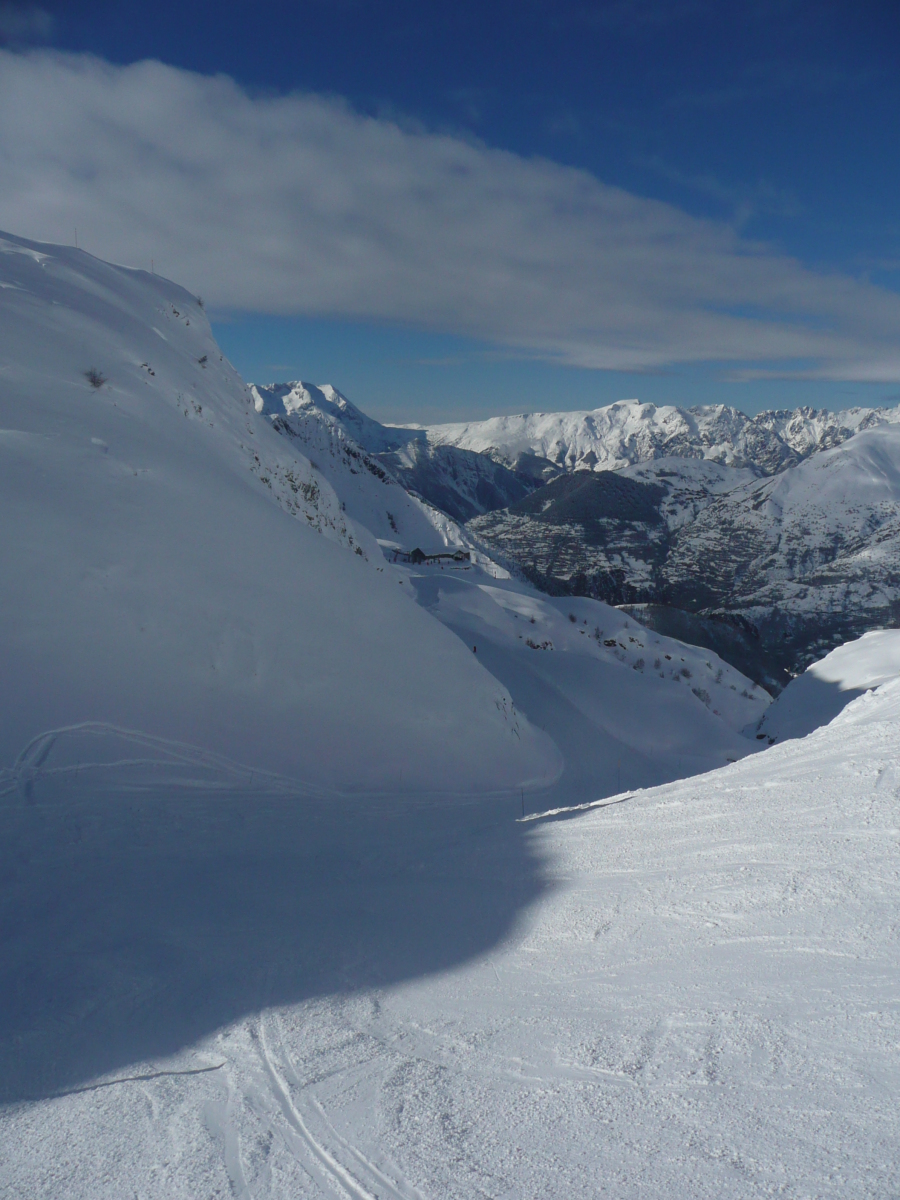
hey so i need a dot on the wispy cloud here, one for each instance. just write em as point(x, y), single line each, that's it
point(24, 23)
point(744, 200)
point(864, 370)
point(299, 205)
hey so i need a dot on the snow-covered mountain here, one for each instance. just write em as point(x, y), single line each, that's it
point(807, 558)
point(685, 511)
point(619, 435)
point(611, 529)
point(674, 513)
point(368, 493)
point(165, 569)
point(200, 563)
point(279, 915)
point(811, 556)
point(460, 483)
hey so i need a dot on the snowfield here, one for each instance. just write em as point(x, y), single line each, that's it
point(284, 911)
point(626, 707)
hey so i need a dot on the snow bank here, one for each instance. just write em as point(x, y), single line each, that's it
point(826, 687)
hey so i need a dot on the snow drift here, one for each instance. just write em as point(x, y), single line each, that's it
point(826, 687)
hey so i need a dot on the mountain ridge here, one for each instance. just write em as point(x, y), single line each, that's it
point(461, 483)
point(628, 432)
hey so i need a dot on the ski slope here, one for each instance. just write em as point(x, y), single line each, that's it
point(280, 917)
point(688, 991)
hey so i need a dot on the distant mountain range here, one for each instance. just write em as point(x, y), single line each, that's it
point(628, 432)
point(770, 539)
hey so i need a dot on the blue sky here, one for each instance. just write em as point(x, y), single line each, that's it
point(458, 209)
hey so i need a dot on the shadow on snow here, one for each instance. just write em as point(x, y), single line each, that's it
point(141, 913)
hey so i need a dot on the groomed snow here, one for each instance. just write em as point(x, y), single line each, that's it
point(691, 991)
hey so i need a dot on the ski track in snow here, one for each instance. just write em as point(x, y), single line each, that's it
point(291, 1111)
point(373, 1184)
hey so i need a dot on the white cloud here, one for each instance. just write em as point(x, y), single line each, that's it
point(298, 205)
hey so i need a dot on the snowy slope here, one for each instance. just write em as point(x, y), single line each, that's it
point(459, 483)
point(164, 569)
point(688, 485)
point(826, 687)
point(688, 992)
point(626, 707)
point(368, 492)
point(329, 406)
point(628, 432)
